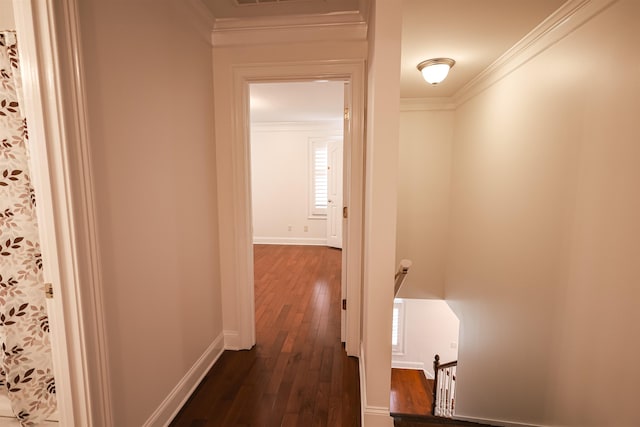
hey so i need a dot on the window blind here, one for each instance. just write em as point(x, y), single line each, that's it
point(320, 184)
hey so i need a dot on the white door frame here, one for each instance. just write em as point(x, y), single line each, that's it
point(240, 277)
point(54, 103)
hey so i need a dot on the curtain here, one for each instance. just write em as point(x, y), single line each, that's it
point(25, 352)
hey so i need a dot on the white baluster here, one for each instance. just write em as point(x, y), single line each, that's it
point(445, 387)
point(441, 393)
point(453, 390)
point(449, 379)
point(445, 391)
point(437, 397)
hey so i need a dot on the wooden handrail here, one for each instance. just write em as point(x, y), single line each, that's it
point(401, 274)
point(448, 364)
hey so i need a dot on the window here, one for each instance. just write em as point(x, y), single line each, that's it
point(397, 328)
point(319, 185)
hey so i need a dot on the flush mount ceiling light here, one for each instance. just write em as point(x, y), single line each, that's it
point(435, 70)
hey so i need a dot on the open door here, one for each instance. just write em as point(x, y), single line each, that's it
point(334, 193)
point(346, 142)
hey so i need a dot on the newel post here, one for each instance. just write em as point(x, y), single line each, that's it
point(436, 365)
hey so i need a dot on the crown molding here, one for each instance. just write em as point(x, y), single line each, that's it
point(341, 26)
point(567, 19)
point(286, 20)
point(427, 104)
point(364, 7)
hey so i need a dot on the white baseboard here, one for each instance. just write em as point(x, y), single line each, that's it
point(498, 423)
point(404, 364)
point(308, 241)
point(371, 416)
point(377, 417)
point(363, 384)
point(231, 340)
point(172, 404)
point(418, 366)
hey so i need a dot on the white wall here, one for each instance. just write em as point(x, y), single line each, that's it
point(150, 106)
point(6, 15)
point(381, 188)
point(544, 258)
point(424, 179)
point(430, 328)
point(280, 174)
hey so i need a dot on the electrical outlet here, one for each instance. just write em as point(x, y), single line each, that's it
point(306, 228)
point(290, 227)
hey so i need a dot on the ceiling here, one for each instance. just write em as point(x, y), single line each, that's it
point(473, 32)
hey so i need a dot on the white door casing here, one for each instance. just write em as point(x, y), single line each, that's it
point(54, 103)
point(232, 133)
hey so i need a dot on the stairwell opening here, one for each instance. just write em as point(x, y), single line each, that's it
point(422, 328)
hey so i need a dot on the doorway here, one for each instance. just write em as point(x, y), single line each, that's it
point(234, 189)
point(296, 165)
point(421, 329)
point(296, 143)
point(27, 364)
point(57, 127)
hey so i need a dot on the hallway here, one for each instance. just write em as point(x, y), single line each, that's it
point(298, 373)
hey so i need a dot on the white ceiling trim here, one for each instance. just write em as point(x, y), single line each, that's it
point(340, 26)
point(563, 22)
point(306, 33)
point(426, 104)
point(287, 20)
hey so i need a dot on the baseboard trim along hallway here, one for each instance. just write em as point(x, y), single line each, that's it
point(372, 416)
point(172, 404)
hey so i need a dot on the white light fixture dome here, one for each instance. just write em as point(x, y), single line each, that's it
point(435, 70)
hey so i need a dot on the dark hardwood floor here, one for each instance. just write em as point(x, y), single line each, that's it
point(411, 392)
point(298, 373)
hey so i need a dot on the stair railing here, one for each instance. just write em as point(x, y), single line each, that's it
point(401, 274)
point(444, 388)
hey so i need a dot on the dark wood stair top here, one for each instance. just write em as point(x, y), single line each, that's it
point(411, 397)
point(411, 393)
point(433, 422)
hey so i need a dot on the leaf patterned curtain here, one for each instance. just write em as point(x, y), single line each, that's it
point(25, 352)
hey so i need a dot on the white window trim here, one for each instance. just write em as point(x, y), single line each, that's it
point(314, 211)
point(399, 305)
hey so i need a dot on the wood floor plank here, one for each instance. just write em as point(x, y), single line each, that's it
point(411, 393)
point(298, 373)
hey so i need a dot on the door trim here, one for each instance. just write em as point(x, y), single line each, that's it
point(237, 281)
point(54, 96)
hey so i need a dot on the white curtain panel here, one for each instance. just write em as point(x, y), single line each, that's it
point(25, 351)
